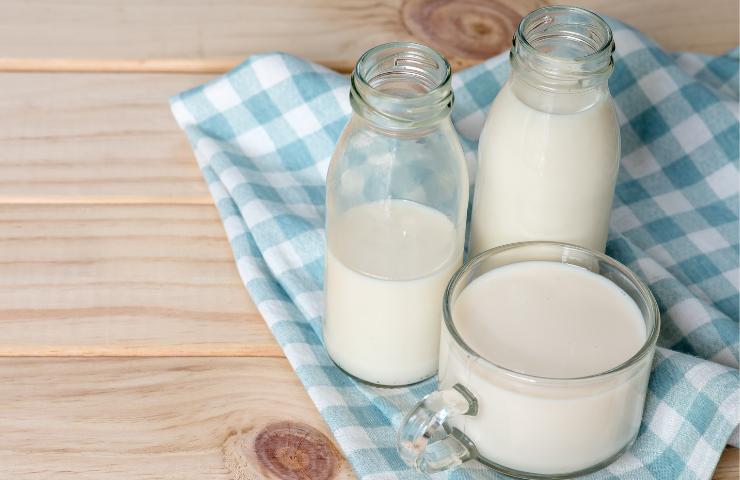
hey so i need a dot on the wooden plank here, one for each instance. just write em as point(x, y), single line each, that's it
point(729, 465)
point(469, 31)
point(123, 280)
point(329, 31)
point(192, 36)
point(109, 137)
point(175, 418)
point(687, 25)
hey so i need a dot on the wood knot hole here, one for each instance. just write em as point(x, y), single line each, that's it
point(466, 31)
point(294, 451)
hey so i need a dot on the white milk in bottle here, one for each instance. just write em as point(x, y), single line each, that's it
point(549, 150)
point(396, 202)
point(387, 267)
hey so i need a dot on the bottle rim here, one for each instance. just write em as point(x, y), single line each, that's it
point(563, 48)
point(424, 71)
point(543, 16)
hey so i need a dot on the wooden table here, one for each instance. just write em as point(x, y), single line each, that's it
point(129, 347)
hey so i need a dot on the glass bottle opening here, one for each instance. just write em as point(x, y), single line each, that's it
point(565, 32)
point(402, 85)
point(564, 47)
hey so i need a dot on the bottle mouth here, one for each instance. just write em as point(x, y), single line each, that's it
point(566, 33)
point(403, 69)
point(402, 83)
point(563, 45)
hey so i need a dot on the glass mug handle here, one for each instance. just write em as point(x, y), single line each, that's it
point(425, 440)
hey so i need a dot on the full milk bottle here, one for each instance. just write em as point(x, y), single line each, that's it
point(549, 150)
point(397, 193)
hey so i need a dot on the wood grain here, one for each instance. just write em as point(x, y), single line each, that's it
point(327, 31)
point(154, 418)
point(110, 136)
point(123, 280)
point(196, 36)
point(466, 31)
point(728, 467)
point(709, 26)
point(284, 450)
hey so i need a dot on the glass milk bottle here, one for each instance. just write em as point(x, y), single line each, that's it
point(549, 151)
point(396, 198)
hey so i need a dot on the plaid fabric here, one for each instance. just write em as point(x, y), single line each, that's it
point(263, 135)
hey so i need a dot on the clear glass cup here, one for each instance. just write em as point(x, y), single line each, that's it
point(548, 155)
point(396, 200)
point(523, 425)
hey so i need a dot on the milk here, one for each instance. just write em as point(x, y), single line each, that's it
point(387, 266)
point(547, 319)
point(547, 167)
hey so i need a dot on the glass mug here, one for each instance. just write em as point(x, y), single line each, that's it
point(523, 425)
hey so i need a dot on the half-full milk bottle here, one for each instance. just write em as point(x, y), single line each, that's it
point(549, 151)
point(396, 198)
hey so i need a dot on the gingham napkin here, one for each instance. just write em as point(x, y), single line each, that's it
point(263, 135)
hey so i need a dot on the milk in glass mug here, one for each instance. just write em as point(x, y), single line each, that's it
point(544, 362)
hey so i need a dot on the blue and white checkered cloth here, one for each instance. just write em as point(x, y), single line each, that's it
point(263, 135)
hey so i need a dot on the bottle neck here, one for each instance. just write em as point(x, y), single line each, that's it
point(402, 86)
point(555, 101)
point(561, 59)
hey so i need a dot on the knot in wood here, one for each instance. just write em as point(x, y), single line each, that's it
point(294, 451)
point(466, 31)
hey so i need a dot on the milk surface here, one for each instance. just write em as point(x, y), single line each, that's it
point(387, 266)
point(546, 169)
point(554, 320)
point(549, 319)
